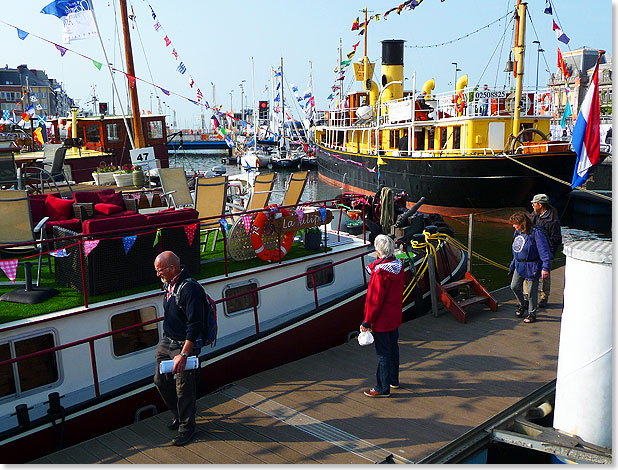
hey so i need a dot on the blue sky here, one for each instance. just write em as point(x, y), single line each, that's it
point(216, 40)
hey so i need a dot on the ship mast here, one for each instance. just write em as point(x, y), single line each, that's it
point(518, 66)
point(137, 122)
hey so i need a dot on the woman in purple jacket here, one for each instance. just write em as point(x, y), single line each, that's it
point(531, 261)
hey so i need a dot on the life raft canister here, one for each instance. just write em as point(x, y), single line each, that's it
point(460, 102)
point(257, 227)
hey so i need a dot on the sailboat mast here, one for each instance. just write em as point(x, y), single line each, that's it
point(518, 69)
point(282, 104)
point(255, 119)
point(137, 122)
point(365, 10)
point(340, 90)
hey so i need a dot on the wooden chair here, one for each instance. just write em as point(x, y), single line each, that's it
point(16, 227)
point(175, 188)
point(210, 199)
point(261, 192)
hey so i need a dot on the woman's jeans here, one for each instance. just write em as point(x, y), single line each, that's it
point(387, 350)
point(532, 287)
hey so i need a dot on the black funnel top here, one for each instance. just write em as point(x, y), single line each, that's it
point(392, 52)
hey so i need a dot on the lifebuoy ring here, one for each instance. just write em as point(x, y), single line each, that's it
point(257, 227)
point(460, 102)
point(545, 99)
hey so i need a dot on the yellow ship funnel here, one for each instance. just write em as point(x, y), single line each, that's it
point(392, 69)
point(427, 87)
point(461, 83)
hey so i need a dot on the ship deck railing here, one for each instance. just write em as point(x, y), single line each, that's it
point(537, 103)
point(90, 340)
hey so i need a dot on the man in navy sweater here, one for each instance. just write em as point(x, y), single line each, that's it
point(182, 325)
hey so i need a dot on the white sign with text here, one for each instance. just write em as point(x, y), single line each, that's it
point(145, 157)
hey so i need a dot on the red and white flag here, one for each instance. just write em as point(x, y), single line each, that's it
point(586, 139)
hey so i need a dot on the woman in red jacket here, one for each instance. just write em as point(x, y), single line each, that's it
point(383, 314)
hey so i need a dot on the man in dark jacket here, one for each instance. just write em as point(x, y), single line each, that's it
point(383, 312)
point(546, 217)
point(182, 327)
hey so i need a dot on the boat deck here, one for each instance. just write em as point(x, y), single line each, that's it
point(453, 377)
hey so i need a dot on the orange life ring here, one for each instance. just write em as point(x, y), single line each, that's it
point(460, 102)
point(257, 227)
point(545, 99)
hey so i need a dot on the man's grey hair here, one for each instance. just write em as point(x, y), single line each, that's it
point(384, 245)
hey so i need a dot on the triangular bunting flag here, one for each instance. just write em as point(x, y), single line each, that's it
point(300, 214)
point(224, 224)
point(90, 245)
point(190, 232)
point(322, 211)
point(21, 34)
point(98, 65)
point(149, 196)
point(156, 240)
point(131, 80)
point(127, 242)
point(62, 50)
point(246, 219)
point(59, 253)
point(9, 266)
point(380, 161)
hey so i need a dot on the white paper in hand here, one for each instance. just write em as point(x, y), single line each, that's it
point(365, 338)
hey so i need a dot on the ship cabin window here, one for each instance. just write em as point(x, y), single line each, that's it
point(155, 130)
point(324, 276)
point(93, 134)
point(457, 137)
point(430, 136)
point(339, 137)
point(134, 339)
point(419, 139)
point(243, 302)
point(393, 139)
point(28, 374)
point(114, 132)
point(443, 137)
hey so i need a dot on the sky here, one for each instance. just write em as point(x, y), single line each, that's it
point(216, 40)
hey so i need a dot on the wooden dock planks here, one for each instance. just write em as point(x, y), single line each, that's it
point(453, 377)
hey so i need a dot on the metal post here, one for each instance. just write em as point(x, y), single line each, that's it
point(432, 285)
point(470, 232)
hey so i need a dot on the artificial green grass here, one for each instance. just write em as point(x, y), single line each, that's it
point(212, 265)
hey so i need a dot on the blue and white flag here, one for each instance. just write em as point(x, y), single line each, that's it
point(127, 243)
point(586, 139)
point(6, 114)
point(181, 68)
point(76, 17)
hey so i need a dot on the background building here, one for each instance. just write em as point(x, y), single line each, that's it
point(580, 64)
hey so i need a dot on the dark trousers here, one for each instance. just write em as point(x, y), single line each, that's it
point(387, 350)
point(180, 393)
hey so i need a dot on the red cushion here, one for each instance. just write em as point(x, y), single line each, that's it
point(167, 216)
point(107, 209)
point(71, 224)
point(105, 224)
point(92, 196)
point(37, 208)
point(113, 198)
point(57, 208)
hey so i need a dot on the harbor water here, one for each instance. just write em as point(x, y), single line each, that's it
point(490, 239)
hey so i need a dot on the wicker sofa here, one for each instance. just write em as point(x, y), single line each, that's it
point(108, 268)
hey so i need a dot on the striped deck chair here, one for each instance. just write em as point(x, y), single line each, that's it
point(295, 188)
point(210, 199)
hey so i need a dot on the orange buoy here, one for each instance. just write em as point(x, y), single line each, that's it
point(257, 228)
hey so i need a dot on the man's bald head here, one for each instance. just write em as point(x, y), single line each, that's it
point(167, 265)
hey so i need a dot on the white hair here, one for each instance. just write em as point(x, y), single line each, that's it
point(384, 245)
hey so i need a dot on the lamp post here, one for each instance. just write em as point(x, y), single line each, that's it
point(231, 105)
point(379, 104)
point(456, 70)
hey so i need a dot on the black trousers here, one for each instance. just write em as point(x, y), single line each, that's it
point(179, 393)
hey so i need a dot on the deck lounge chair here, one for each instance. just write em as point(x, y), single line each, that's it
point(175, 188)
point(16, 227)
point(8, 171)
point(295, 187)
point(262, 189)
point(210, 199)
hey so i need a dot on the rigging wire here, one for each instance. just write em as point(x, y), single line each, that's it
point(501, 44)
point(459, 38)
point(144, 52)
point(506, 25)
point(537, 38)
